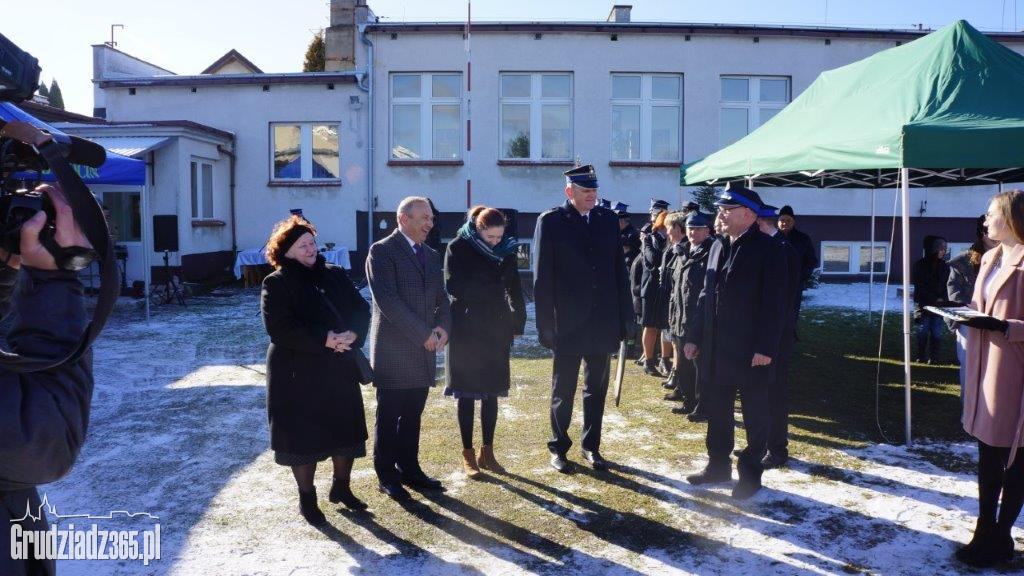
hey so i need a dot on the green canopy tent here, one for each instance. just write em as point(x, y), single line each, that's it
point(943, 110)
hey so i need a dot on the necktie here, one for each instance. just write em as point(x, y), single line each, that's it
point(420, 256)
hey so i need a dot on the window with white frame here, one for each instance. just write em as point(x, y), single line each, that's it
point(426, 116)
point(747, 102)
point(647, 117)
point(304, 151)
point(201, 184)
point(524, 254)
point(536, 116)
point(854, 257)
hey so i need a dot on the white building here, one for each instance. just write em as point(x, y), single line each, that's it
point(634, 99)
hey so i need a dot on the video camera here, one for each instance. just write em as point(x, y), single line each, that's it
point(25, 154)
point(19, 77)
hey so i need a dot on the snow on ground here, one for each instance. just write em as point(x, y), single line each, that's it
point(179, 431)
point(855, 295)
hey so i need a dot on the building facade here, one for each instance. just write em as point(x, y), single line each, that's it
point(495, 117)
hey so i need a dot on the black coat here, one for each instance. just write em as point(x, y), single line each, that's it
point(742, 309)
point(580, 286)
point(653, 308)
point(44, 415)
point(808, 256)
point(667, 283)
point(688, 274)
point(487, 311)
point(930, 276)
point(794, 283)
point(314, 404)
point(636, 275)
point(630, 243)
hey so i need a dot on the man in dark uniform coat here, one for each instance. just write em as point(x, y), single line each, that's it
point(778, 400)
point(802, 242)
point(628, 233)
point(583, 308)
point(742, 308)
point(688, 281)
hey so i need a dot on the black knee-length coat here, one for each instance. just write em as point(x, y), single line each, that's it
point(487, 311)
point(313, 399)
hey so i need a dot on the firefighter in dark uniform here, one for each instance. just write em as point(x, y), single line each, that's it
point(741, 313)
point(583, 309)
point(778, 399)
point(628, 233)
point(688, 281)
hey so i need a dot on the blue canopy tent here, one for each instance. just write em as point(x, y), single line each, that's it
point(116, 170)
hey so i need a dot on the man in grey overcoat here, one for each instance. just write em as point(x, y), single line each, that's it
point(410, 324)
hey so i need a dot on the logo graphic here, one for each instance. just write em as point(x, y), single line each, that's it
point(88, 542)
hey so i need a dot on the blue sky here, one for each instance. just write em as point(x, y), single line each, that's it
point(185, 36)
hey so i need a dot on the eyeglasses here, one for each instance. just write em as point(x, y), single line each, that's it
point(725, 210)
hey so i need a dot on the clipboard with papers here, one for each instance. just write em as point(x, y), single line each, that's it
point(956, 313)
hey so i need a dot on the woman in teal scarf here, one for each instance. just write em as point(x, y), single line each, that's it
point(482, 278)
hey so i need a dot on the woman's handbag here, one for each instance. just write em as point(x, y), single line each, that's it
point(364, 372)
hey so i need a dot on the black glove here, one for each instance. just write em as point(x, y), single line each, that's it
point(547, 339)
point(987, 323)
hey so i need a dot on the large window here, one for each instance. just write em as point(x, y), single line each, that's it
point(426, 116)
point(202, 188)
point(647, 117)
point(853, 257)
point(305, 151)
point(536, 116)
point(747, 102)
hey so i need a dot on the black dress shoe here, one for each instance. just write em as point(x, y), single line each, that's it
point(745, 489)
point(676, 395)
point(710, 476)
point(309, 508)
point(668, 384)
point(651, 369)
point(697, 416)
point(422, 481)
point(561, 463)
point(685, 408)
point(773, 461)
point(597, 462)
point(341, 492)
point(396, 492)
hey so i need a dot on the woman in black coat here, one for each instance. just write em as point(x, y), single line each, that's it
point(317, 321)
point(653, 311)
point(482, 279)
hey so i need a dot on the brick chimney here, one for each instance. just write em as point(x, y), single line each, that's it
point(620, 13)
point(340, 39)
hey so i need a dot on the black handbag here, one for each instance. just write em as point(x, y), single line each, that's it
point(364, 372)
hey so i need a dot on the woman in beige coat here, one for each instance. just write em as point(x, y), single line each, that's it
point(994, 387)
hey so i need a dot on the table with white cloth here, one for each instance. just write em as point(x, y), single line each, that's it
point(248, 262)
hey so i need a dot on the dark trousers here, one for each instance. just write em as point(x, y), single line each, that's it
point(994, 481)
point(721, 425)
point(566, 372)
point(397, 438)
point(686, 375)
point(778, 400)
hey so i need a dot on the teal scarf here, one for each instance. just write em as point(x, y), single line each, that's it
point(508, 244)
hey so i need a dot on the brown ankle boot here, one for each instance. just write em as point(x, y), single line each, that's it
point(469, 465)
point(487, 461)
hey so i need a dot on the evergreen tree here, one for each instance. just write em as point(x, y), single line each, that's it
point(315, 54)
point(705, 198)
point(43, 90)
point(56, 99)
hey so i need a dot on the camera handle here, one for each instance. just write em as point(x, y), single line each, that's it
point(90, 218)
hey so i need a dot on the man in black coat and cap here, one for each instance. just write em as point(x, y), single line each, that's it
point(802, 242)
point(778, 393)
point(583, 309)
point(628, 233)
point(741, 313)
